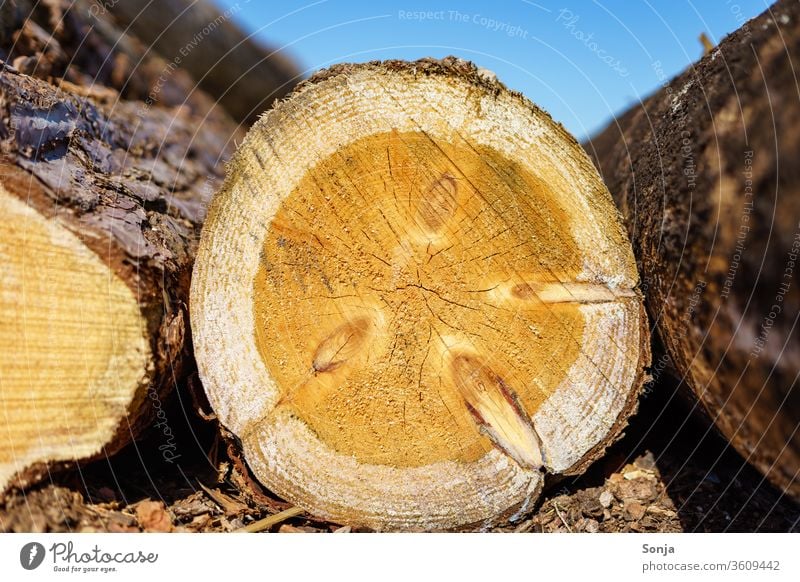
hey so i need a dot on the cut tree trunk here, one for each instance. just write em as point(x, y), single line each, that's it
point(243, 75)
point(706, 175)
point(413, 298)
point(101, 206)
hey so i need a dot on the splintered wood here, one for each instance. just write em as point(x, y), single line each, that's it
point(413, 298)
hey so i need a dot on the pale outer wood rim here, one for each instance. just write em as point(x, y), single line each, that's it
point(239, 387)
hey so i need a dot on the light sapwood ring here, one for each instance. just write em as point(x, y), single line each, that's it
point(413, 296)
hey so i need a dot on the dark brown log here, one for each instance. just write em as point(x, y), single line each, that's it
point(120, 188)
point(242, 74)
point(706, 174)
point(76, 43)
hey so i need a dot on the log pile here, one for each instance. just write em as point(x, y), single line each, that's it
point(415, 301)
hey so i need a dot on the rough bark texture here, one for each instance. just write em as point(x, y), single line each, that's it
point(77, 45)
point(130, 179)
point(242, 74)
point(705, 172)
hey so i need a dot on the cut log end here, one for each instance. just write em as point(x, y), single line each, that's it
point(411, 307)
point(73, 350)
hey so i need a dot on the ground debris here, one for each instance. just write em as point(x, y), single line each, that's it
point(59, 509)
point(152, 516)
point(633, 499)
point(662, 492)
point(286, 528)
point(227, 503)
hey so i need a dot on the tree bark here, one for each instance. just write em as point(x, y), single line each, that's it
point(76, 44)
point(244, 76)
point(705, 172)
point(413, 298)
point(102, 203)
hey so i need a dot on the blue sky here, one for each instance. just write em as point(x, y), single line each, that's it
point(581, 61)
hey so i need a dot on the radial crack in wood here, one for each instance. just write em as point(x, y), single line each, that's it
point(411, 305)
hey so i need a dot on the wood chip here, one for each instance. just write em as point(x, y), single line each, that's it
point(227, 503)
point(268, 522)
point(152, 516)
point(633, 509)
point(638, 474)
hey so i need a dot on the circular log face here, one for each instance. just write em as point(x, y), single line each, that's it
point(407, 313)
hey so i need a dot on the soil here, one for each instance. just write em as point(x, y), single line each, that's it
point(671, 472)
